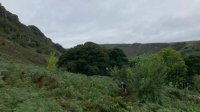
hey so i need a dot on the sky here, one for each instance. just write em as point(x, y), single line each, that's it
point(72, 22)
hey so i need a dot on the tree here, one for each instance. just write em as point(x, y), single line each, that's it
point(90, 59)
point(117, 58)
point(177, 70)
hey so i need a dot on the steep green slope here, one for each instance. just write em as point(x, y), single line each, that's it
point(136, 49)
point(25, 42)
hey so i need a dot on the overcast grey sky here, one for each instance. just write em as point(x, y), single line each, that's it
point(72, 22)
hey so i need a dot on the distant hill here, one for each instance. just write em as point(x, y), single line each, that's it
point(24, 43)
point(136, 49)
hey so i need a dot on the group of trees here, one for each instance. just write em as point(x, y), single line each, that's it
point(146, 74)
point(91, 59)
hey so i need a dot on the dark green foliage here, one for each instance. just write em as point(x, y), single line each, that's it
point(177, 70)
point(193, 65)
point(90, 59)
point(117, 58)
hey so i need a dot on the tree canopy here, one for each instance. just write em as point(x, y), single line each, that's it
point(117, 58)
point(90, 59)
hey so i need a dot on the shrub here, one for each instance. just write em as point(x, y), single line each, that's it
point(147, 78)
point(52, 61)
point(177, 70)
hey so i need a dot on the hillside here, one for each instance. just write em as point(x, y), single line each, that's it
point(28, 88)
point(136, 49)
point(23, 43)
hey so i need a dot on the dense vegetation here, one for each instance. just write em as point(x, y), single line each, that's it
point(28, 88)
point(177, 69)
point(150, 79)
point(92, 59)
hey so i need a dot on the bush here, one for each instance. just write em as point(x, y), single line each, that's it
point(52, 62)
point(147, 78)
point(177, 70)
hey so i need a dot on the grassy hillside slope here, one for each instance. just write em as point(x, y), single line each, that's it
point(12, 51)
point(23, 43)
point(28, 88)
point(136, 49)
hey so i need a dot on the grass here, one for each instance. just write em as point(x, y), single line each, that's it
point(28, 88)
